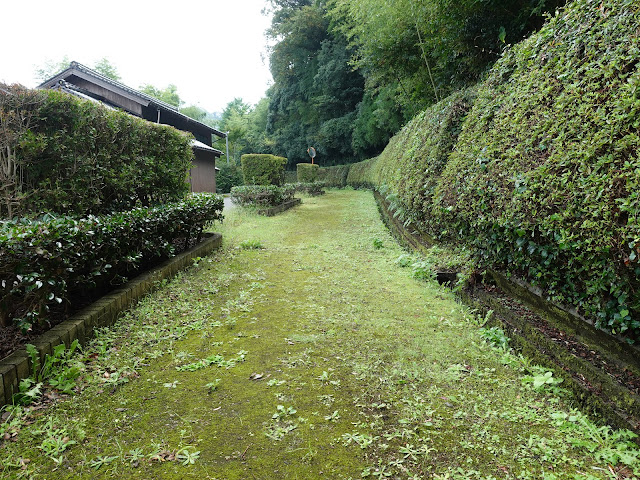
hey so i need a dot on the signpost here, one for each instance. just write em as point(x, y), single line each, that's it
point(312, 153)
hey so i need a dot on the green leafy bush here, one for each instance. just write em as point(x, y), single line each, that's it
point(228, 177)
point(46, 262)
point(77, 157)
point(262, 195)
point(307, 172)
point(334, 176)
point(263, 169)
point(313, 189)
point(544, 178)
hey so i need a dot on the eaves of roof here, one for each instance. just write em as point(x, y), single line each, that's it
point(146, 99)
point(196, 145)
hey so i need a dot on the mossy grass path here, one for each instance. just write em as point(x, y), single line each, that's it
point(302, 350)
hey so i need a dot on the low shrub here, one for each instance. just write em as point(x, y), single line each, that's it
point(48, 261)
point(262, 195)
point(313, 189)
point(228, 177)
point(263, 169)
point(335, 177)
point(307, 172)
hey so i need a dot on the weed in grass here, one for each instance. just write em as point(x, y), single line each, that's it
point(495, 336)
point(187, 455)
point(211, 386)
point(251, 245)
point(101, 461)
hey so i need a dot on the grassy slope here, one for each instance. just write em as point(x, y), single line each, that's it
point(388, 375)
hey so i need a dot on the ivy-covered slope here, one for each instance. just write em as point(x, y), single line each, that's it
point(543, 178)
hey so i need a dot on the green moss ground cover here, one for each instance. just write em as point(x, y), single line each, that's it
point(304, 350)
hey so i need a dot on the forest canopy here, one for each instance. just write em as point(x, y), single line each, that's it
point(348, 74)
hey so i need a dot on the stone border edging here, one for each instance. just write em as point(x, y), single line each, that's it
point(271, 211)
point(104, 312)
point(593, 387)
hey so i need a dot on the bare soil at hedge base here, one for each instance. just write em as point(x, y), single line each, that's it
point(623, 376)
point(12, 338)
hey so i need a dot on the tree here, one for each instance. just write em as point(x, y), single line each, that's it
point(105, 67)
point(316, 92)
point(195, 112)
point(51, 68)
point(168, 95)
point(17, 109)
point(234, 120)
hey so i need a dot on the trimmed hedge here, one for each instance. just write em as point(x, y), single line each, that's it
point(543, 179)
point(334, 176)
point(47, 262)
point(313, 188)
point(263, 169)
point(78, 157)
point(228, 177)
point(307, 172)
point(361, 174)
point(262, 195)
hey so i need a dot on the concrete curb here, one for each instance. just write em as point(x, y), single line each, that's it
point(101, 313)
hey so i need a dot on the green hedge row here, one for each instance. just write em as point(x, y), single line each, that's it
point(538, 168)
point(263, 169)
point(228, 177)
point(310, 188)
point(335, 176)
point(307, 172)
point(78, 157)
point(47, 262)
point(262, 195)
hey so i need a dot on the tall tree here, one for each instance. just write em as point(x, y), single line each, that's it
point(105, 67)
point(169, 94)
point(316, 93)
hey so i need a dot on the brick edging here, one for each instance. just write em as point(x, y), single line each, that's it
point(271, 211)
point(104, 312)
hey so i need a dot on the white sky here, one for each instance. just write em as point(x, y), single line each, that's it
point(211, 50)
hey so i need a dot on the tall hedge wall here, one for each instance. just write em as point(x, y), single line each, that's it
point(544, 178)
point(334, 176)
point(538, 168)
point(263, 169)
point(78, 157)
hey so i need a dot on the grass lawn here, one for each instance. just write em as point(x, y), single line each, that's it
point(304, 350)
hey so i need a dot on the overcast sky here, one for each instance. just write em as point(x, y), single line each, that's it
point(211, 50)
